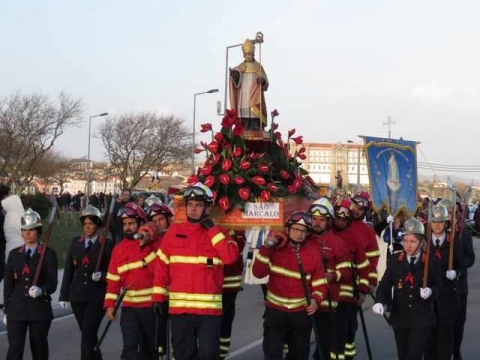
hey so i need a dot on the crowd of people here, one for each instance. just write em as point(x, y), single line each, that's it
point(183, 279)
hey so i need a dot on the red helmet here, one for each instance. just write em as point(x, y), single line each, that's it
point(131, 210)
point(301, 218)
point(157, 209)
point(344, 208)
point(363, 199)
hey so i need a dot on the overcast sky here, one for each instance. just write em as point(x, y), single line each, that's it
point(337, 68)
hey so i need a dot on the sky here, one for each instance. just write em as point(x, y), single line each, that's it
point(337, 68)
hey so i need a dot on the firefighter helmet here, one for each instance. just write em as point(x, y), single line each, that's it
point(131, 210)
point(413, 226)
point(30, 220)
point(439, 213)
point(198, 191)
point(363, 199)
point(93, 213)
point(321, 207)
point(152, 199)
point(344, 208)
point(301, 218)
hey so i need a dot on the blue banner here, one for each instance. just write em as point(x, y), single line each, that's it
point(392, 168)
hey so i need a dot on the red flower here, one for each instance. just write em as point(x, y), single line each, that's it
point(198, 150)
point(219, 137)
point(284, 174)
point(274, 126)
point(213, 147)
point(226, 164)
point(209, 180)
point(228, 120)
point(291, 132)
point(237, 151)
point(224, 179)
point(265, 195)
point(227, 146)
point(245, 165)
point(214, 159)
point(206, 170)
point(239, 180)
point(272, 187)
point(298, 140)
point(274, 113)
point(238, 130)
point(206, 127)
point(214, 194)
point(244, 193)
point(297, 182)
point(258, 180)
point(291, 189)
point(224, 203)
point(263, 168)
point(302, 156)
point(192, 179)
point(301, 150)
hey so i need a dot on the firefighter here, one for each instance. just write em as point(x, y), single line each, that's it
point(363, 204)
point(81, 285)
point(28, 306)
point(440, 343)
point(336, 262)
point(287, 315)
point(232, 285)
point(191, 260)
point(412, 316)
point(131, 267)
point(353, 290)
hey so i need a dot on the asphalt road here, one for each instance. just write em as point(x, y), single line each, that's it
point(246, 339)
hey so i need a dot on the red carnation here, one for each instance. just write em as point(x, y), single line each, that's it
point(272, 187)
point(291, 189)
point(291, 132)
point(302, 156)
point(238, 130)
point(206, 170)
point(263, 168)
point(284, 174)
point(192, 179)
point(297, 182)
point(224, 179)
point(239, 180)
point(265, 195)
point(213, 147)
point(226, 164)
point(209, 180)
point(224, 203)
point(245, 165)
point(206, 127)
point(274, 113)
point(198, 150)
point(258, 180)
point(227, 146)
point(298, 140)
point(237, 151)
point(244, 193)
point(214, 159)
point(219, 137)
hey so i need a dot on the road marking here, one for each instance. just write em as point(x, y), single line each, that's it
point(244, 349)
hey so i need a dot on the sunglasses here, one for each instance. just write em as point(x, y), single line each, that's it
point(319, 210)
point(342, 212)
point(126, 212)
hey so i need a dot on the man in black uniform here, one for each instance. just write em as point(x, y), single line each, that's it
point(440, 343)
point(28, 306)
point(412, 316)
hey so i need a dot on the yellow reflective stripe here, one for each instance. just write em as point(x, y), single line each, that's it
point(232, 282)
point(363, 265)
point(193, 296)
point(111, 296)
point(150, 257)
point(232, 278)
point(373, 253)
point(287, 272)
point(113, 277)
point(137, 299)
point(136, 264)
point(262, 259)
point(334, 356)
point(162, 256)
point(325, 303)
point(217, 238)
point(159, 290)
point(339, 275)
point(364, 281)
point(319, 293)
point(346, 287)
point(232, 285)
point(177, 259)
point(139, 292)
point(289, 303)
point(343, 265)
point(373, 275)
point(345, 293)
point(319, 282)
point(195, 304)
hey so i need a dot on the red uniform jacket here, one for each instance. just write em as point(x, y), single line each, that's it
point(130, 267)
point(336, 259)
point(233, 272)
point(190, 268)
point(284, 288)
point(369, 238)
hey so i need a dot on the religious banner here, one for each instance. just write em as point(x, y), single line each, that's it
point(392, 168)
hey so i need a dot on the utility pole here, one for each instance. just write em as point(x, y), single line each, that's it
point(389, 123)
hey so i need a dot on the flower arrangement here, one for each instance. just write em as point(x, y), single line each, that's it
point(237, 174)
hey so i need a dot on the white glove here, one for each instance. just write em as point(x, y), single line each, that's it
point(63, 304)
point(35, 292)
point(425, 293)
point(451, 275)
point(378, 308)
point(96, 276)
point(4, 320)
point(389, 219)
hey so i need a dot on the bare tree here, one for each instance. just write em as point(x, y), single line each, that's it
point(30, 125)
point(54, 166)
point(136, 144)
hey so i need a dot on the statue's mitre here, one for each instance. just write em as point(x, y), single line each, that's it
point(248, 46)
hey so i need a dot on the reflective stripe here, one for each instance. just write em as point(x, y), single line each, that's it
point(195, 304)
point(217, 238)
point(363, 265)
point(346, 287)
point(364, 282)
point(113, 277)
point(373, 275)
point(162, 256)
point(326, 304)
point(262, 259)
point(345, 294)
point(286, 272)
point(160, 290)
point(139, 292)
point(136, 264)
point(334, 356)
point(137, 299)
point(195, 297)
point(318, 293)
point(111, 296)
point(373, 253)
point(232, 282)
point(339, 275)
point(289, 303)
point(319, 282)
point(177, 259)
point(343, 265)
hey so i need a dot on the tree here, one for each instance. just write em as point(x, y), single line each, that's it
point(30, 126)
point(54, 166)
point(138, 143)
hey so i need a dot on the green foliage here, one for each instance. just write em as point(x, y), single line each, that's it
point(38, 203)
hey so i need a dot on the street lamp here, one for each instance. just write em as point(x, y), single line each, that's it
point(89, 170)
point(194, 110)
point(358, 162)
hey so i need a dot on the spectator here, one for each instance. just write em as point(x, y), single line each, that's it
point(4, 192)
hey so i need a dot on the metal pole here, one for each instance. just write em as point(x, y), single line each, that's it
point(193, 137)
point(88, 158)
point(358, 169)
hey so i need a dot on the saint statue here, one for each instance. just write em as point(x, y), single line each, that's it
point(339, 179)
point(248, 82)
point(393, 180)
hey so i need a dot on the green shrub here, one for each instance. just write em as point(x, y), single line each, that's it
point(38, 202)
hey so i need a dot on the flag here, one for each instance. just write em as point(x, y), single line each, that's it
point(392, 169)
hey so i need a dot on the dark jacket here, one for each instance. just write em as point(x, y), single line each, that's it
point(409, 310)
point(77, 283)
point(469, 254)
point(18, 279)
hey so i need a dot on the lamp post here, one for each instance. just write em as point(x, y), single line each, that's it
point(89, 170)
point(358, 162)
point(194, 110)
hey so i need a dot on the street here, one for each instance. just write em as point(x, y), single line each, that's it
point(64, 336)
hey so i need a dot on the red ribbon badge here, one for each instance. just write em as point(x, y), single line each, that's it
point(85, 260)
point(25, 270)
point(409, 278)
point(438, 254)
